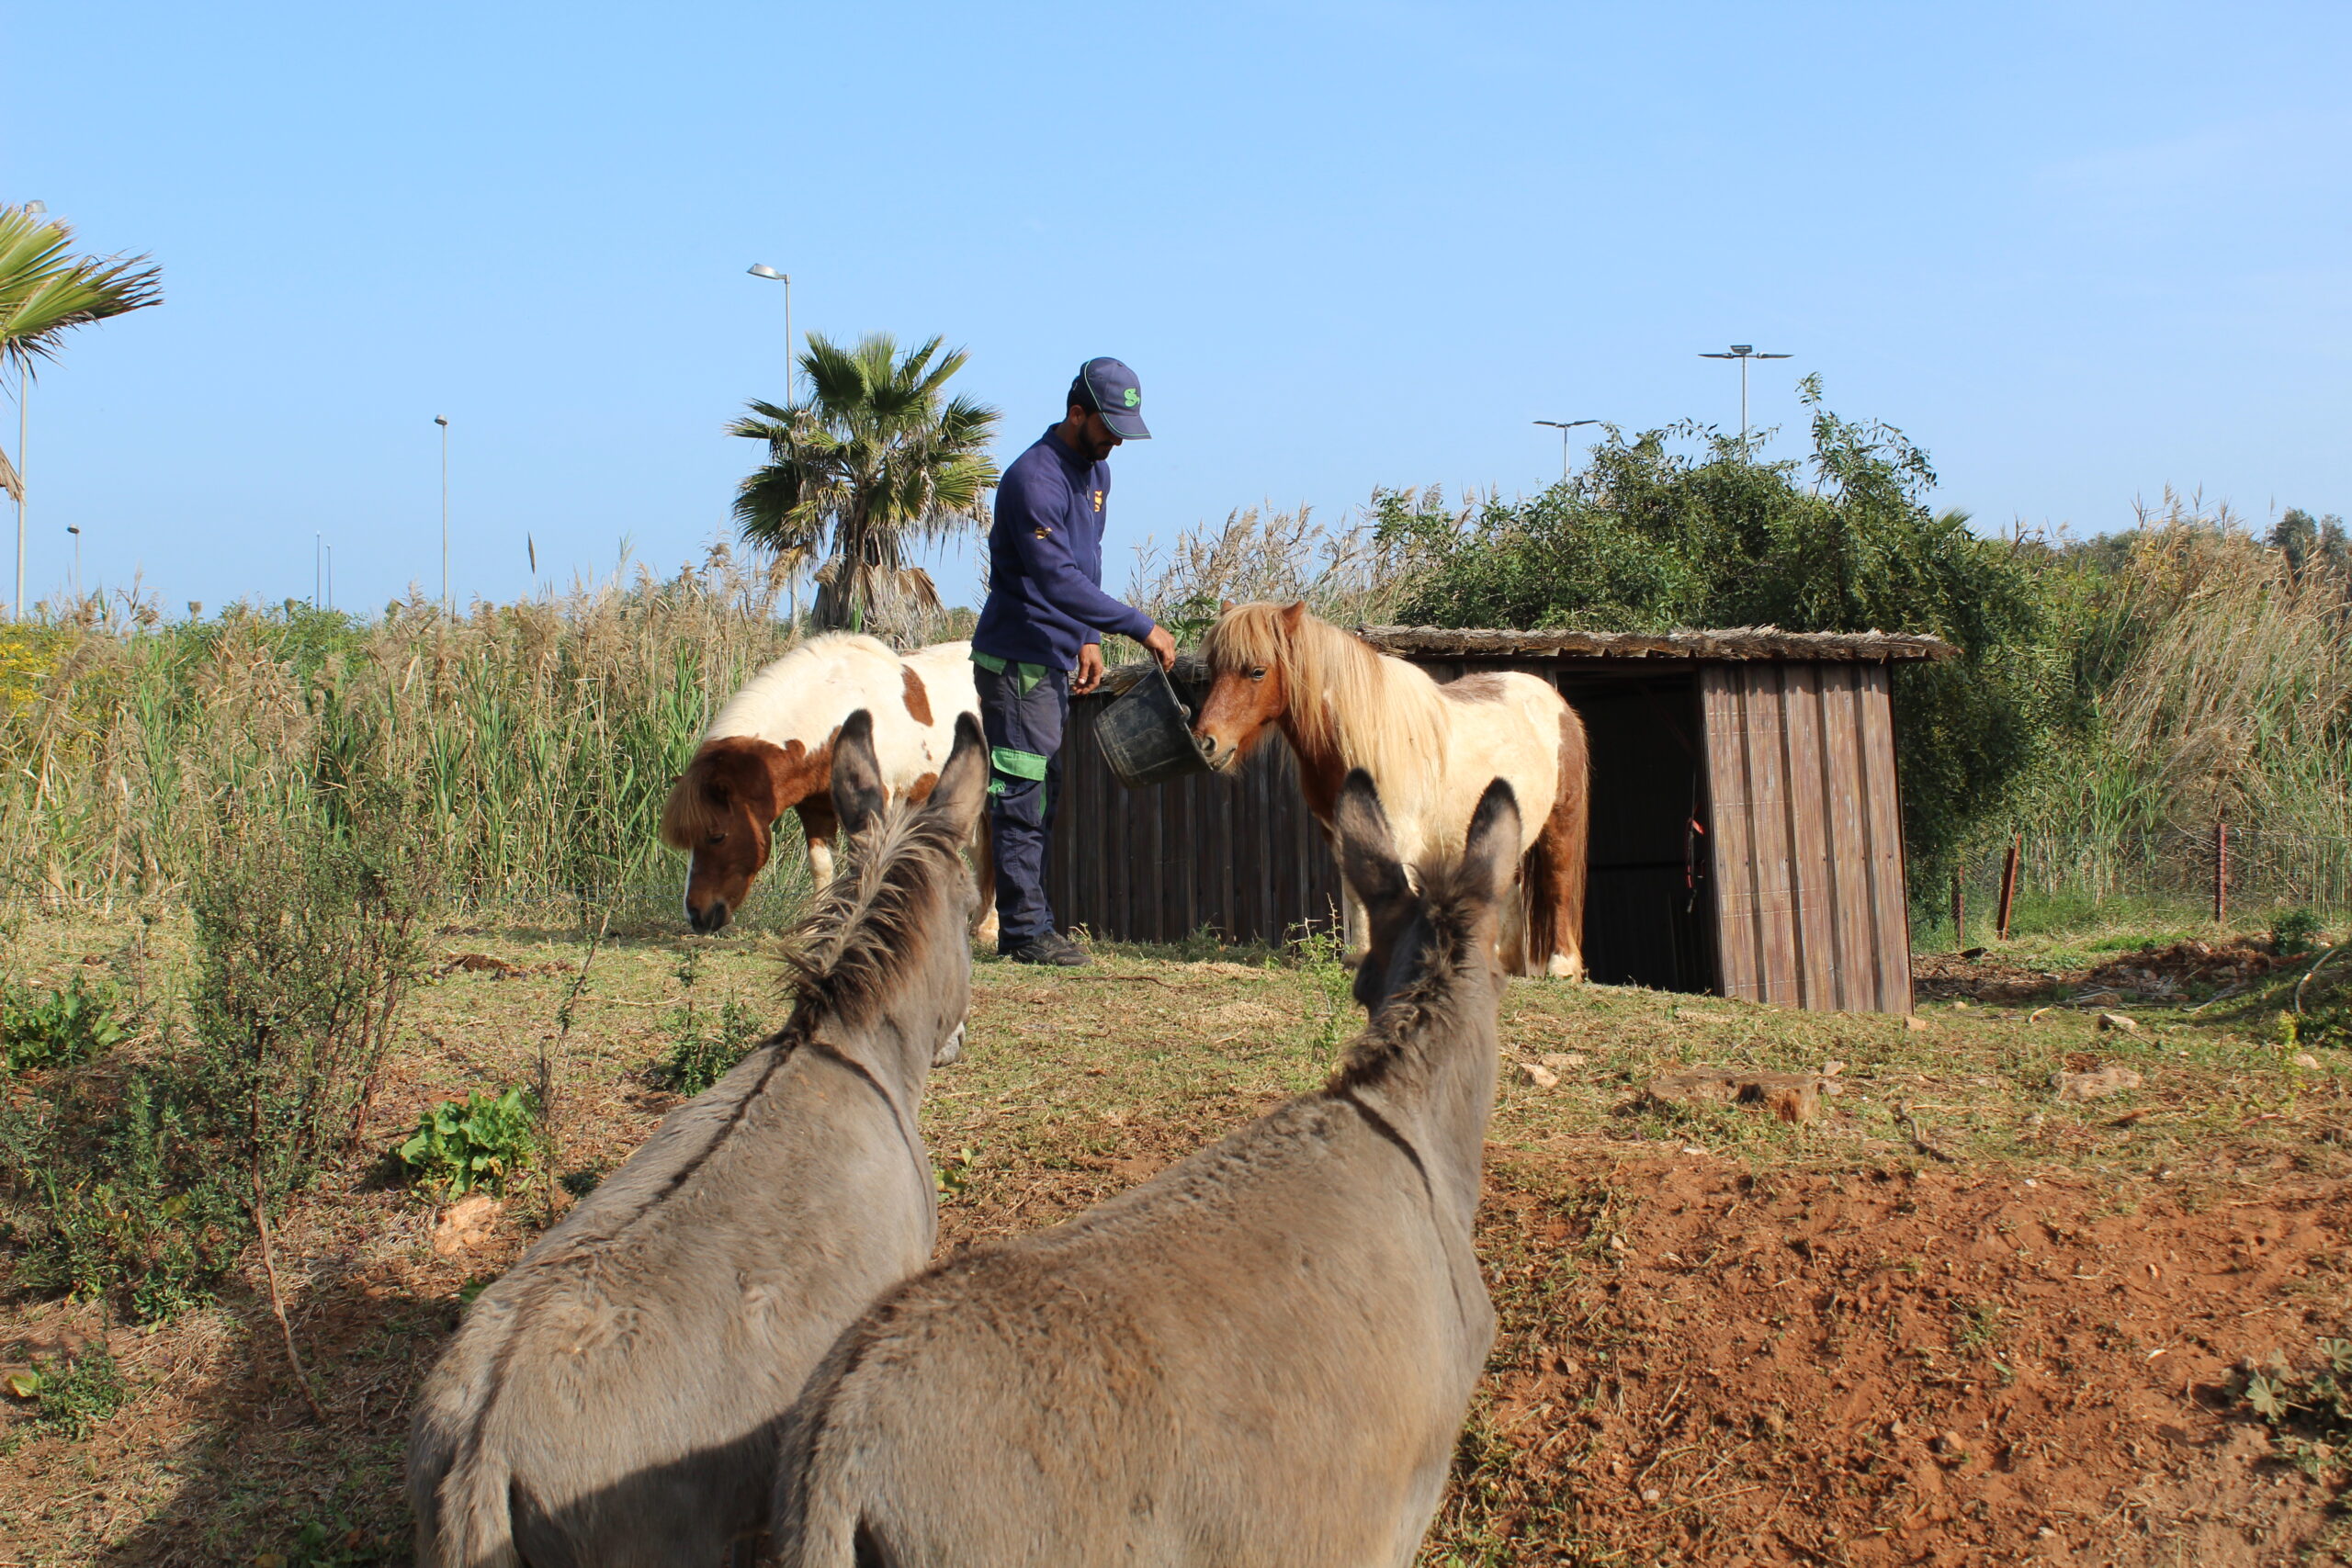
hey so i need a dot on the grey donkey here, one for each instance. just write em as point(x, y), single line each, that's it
point(1259, 1357)
point(614, 1399)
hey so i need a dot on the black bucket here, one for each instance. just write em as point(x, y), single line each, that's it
point(1146, 734)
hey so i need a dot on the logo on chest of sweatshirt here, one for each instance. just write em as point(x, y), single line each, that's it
point(1098, 501)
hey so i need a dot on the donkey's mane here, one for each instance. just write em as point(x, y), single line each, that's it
point(1378, 714)
point(853, 948)
point(1453, 904)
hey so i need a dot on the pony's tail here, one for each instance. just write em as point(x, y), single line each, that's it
point(1552, 877)
point(477, 1526)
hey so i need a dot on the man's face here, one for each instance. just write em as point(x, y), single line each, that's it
point(1093, 439)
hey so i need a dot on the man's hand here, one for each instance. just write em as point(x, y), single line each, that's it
point(1090, 670)
point(1159, 645)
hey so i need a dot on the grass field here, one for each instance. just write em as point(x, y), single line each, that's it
point(1955, 1319)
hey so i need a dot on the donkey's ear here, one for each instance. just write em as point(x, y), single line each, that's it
point(963, 786)
point(1367, 848)
point(1490, 851)
point(858, 795)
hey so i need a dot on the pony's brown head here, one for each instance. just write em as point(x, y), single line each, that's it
point(722, 811)
point(1251, 652)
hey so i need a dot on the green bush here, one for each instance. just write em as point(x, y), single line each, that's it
point(704, 1048)
point(2292, 933)
point(56, 1028)
point(480, 1142)
point(1685, 528)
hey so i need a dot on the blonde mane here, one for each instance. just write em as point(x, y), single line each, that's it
point(1376, 712)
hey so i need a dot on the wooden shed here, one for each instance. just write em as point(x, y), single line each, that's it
point(1747, 827)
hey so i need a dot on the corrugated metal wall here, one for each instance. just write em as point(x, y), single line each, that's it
point(1802, 868)
point(1808, 836)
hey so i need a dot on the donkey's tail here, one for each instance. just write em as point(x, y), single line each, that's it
point(477, 1526)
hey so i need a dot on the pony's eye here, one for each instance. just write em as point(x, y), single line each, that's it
point(717, 838)
point(1257, 672)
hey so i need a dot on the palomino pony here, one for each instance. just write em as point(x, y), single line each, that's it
point(1429, 748)
point(770, 748)
point(1259, 1357)
point(612, 1402)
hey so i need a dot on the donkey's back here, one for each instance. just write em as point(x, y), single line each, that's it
point(1260, 1356)
point(613, 1397)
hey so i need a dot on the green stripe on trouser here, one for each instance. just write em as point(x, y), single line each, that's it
point(1018, 765)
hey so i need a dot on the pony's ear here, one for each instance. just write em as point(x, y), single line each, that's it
point(858, 795)
point(1490, 851)
point(1293, 615)
point(963, 786)
point(1367, 848)
point(1224, 607)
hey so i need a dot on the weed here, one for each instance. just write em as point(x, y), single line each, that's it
point(703, 1048)
point(56, 1029)
point(2291, 932)
point(2309, 1414)
point(479, 1142)
point(78, 1398)
point(1980, 1326)
point(1320, 954)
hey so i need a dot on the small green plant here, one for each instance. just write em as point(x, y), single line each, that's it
point(703, 1048)
point(2309, 1414)
point(77, 1397)
point(1321, 955)
point(2292, 933)
point(480, 1141)
point(56, 1029)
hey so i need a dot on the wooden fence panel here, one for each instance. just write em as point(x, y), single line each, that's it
point(1721, 699)
point(1876, 784)
point(1862, 984)
point(1813, 893)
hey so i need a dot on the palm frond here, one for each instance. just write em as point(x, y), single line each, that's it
point(45, 291)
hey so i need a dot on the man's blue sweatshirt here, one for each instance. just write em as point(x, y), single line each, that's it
point(1046, 597)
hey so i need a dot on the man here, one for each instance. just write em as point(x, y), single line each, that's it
point(1046, 613)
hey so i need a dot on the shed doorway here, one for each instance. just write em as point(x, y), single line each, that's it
point(1650, 915)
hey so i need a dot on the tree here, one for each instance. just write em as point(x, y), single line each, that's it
point(877, 461)
point(44, 292)
point(1648, 537)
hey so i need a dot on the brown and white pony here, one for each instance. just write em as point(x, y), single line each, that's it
point(770, 750)
point(1430, 748)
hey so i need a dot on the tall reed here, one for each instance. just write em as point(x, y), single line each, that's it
point(530, 744)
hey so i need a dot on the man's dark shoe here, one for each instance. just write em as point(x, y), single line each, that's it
point(1051, 948)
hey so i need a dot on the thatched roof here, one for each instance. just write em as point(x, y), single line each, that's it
point(1732, 643)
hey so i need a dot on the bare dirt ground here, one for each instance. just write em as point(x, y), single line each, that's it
point(1953, 1320)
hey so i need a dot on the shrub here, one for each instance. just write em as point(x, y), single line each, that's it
point(704, 1048)
point(2291, 934)
point(480, 1141)
point(56, 1028)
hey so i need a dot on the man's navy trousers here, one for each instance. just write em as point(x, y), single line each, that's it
point(1025, 736)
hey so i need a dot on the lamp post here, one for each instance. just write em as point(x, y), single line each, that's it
point(1743, 352)
point(24, 401)
point(1563, 426)
point(791, 345)
point(443, 423)
point(77, 558)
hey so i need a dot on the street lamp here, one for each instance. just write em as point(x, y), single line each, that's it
point(24, 401)
point(1563, 426)
point(791, 344)
point(443, 423)
point(1743, 352)
point(77, 558)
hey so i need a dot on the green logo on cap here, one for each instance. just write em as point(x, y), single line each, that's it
point(1134, 397)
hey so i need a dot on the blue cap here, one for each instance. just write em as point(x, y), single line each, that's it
point(1111, 389)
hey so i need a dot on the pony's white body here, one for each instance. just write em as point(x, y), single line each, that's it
point(1505, 726)
point(1431, 749)
point(806, 695)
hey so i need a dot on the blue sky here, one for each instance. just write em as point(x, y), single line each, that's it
point(2079, 252)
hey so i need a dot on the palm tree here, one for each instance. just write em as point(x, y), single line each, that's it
point(877, 461)
point(44, 291)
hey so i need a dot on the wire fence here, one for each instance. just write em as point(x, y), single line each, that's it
point(2236, 875)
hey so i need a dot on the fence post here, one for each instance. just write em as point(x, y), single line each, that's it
point(2220, 868)
point(1959, 912)
point(2009, 881)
